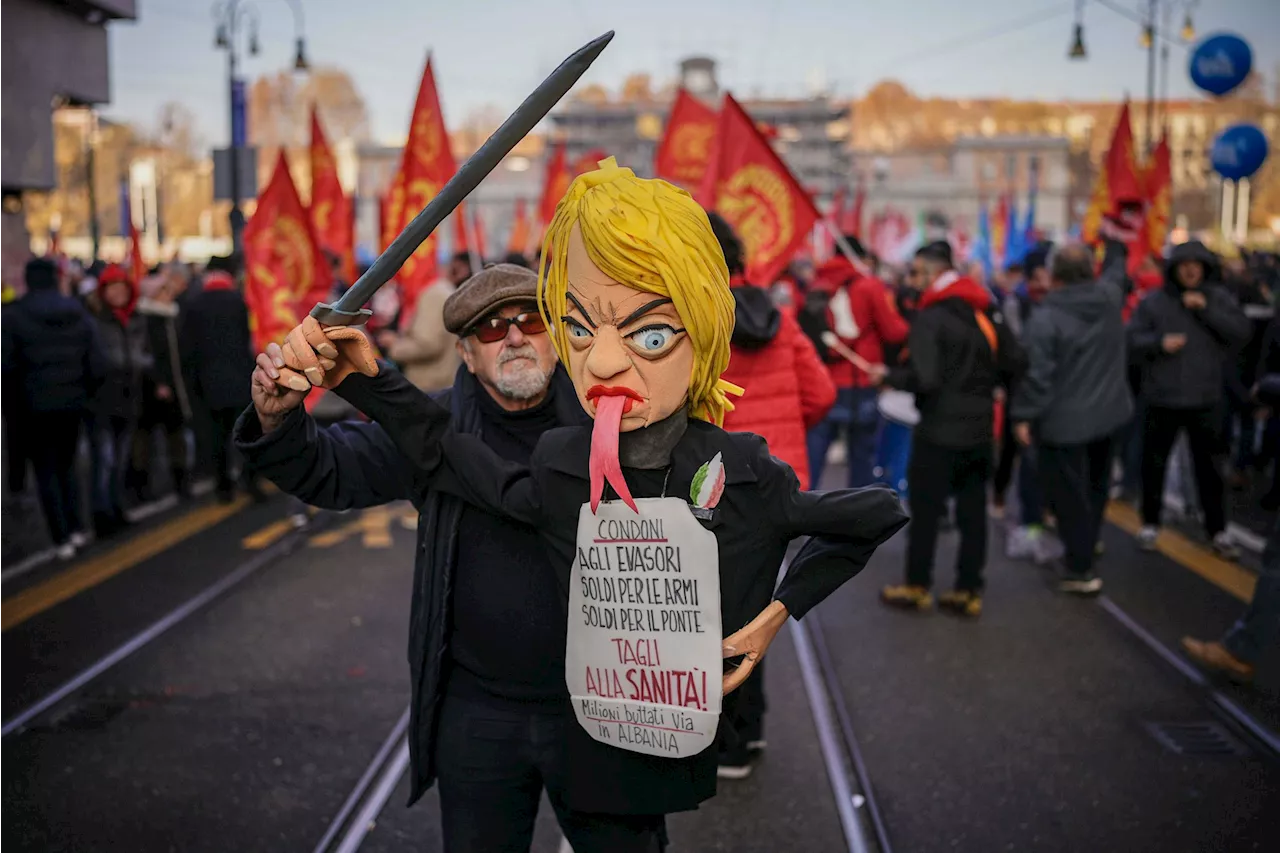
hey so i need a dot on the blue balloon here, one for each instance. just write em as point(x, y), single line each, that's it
point(1239, 151)
point(1220, 63)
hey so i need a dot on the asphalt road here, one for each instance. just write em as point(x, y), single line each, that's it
point(247, 725)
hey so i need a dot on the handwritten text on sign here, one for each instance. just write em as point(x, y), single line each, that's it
point(643, 660)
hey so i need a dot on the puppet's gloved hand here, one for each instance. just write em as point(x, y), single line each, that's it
point(751, 642)
point(324, 355)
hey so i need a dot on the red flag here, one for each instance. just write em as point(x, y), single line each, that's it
point(749, 185)
point(518, 241)
point(427, 163)
point(477, 234)
point(554, 184)
point(330, 213)
point(1118, 183)
point(1159, 187)
point(460, 241)
point(685, 148)
point(137, 267)
point(587, 162)
point(286, 272)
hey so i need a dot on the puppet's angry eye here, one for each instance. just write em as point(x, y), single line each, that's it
point(653, 340)
point(575, 329)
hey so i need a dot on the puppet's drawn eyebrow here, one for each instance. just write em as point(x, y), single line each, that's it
point(642, 310)
point(581, 310)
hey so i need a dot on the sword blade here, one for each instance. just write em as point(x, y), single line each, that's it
point(347, 310)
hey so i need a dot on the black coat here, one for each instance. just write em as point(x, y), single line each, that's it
point(128, 364)
point(1194, 376)
point(217, 350)
point(760, 512)
point(352, 465)
point(953, 372)
point(53, 358)
point(163, 335)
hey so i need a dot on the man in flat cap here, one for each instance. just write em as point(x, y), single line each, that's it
point(487, 630)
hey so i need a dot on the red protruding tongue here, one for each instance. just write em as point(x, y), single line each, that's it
point(604, 451)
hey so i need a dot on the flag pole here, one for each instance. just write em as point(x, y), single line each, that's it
point(477, 263)
point(843, 245)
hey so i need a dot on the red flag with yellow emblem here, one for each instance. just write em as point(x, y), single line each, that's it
point(749, 185)
point(285, 270)
point(330, 212)
point(685, 149)
point(1118, 183)
point(426, 165)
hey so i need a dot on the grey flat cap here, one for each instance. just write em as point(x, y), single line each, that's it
point(487, 291)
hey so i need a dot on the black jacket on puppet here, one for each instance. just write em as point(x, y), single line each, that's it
point(761, 510)
point(53, 358)
point(1075, 389)
point(352, 465)
point(952, 367)
point(217, 349)
point(1192, 377)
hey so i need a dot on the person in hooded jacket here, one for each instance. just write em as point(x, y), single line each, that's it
point(1074, 400)
point(118, 402)
point(960, 352)
point(1183, 336)
point(863, 313)
point(53, 362)
point(787, 391)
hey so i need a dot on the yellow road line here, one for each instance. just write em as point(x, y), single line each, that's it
point(332, 537)
point(90, 573)
point(266, 536)
point(1225, 575)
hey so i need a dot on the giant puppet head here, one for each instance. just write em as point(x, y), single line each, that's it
point(635, 294)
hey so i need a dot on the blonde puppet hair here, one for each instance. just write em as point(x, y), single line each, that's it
point(652, 236)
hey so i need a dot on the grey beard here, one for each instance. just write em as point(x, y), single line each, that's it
point(524, 382)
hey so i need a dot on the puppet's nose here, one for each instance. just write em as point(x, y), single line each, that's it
point(608, 355)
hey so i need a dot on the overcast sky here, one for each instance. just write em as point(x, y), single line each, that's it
point(492, 53)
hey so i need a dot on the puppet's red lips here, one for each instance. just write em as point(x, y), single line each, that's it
point(595, 392)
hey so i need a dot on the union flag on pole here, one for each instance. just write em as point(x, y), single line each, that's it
point(685, 149)
point(1118, 181)
point(426, 165)
point(285, 270)
point(1159, 188)
point(749, 185)
point(330, 211)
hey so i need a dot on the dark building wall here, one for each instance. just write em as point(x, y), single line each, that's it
point(48, 49)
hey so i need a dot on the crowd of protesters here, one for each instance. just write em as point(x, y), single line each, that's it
point(102, 367)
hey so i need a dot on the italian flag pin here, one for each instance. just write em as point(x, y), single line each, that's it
point(708, 484)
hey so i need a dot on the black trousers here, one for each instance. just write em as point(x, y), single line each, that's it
point(1160, 431)
point(222, 422)
point(935, 473)
point(493, 760)
point(53, 455)
point(14, 441)
point(1077, 480)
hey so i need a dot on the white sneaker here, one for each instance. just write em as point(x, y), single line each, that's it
point(1147, 537)
point(1020, 544)
point(79, 539)
point(1046, 549)
point(1225, 547)
point(66, 551)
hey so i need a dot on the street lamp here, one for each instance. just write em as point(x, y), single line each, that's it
point(229, 16)
point(1077, 50)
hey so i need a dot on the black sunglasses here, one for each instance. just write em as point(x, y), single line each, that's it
point(493, 329)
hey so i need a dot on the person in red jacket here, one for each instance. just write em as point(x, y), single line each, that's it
point(863, 313)
point(786, 390)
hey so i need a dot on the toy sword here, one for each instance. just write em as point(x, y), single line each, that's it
point(347, 310)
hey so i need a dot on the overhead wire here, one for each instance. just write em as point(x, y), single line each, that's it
point(986, 34)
